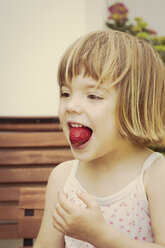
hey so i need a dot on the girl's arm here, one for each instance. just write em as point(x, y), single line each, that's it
point(48, 236)
point(88, 224)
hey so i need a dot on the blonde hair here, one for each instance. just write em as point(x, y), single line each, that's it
point(134, 68)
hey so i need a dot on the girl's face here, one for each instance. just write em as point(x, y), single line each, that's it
point(87, 115)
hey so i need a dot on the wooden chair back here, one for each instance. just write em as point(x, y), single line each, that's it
point(29, 149)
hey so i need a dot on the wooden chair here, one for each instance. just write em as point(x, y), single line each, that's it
point(29, 149)
point(31, 207)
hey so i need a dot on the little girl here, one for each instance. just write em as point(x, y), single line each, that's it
point(112, 108)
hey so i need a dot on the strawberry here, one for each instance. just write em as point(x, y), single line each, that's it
point(79, 135)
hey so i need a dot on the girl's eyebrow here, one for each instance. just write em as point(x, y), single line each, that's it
point(94, 86)
point(87, 86)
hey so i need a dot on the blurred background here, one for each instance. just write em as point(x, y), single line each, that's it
point(34, 35)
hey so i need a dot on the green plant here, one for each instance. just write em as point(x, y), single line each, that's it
point(118, 20)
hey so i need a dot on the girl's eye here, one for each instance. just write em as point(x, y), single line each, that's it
point(94, 97)
point(65, 94)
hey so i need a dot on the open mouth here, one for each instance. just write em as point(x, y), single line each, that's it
point(79, 134)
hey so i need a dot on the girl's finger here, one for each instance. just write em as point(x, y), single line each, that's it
point(61, 211)
point(58, 227)
point(58, 222)
point(65, 203)
point(87, 199)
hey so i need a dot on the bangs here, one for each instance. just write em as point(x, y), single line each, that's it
point(100, 56)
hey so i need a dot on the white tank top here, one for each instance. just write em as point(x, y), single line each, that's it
point(126, 210)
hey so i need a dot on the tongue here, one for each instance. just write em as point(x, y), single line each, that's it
point(79, 135)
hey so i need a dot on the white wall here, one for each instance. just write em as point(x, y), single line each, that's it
point(34, 34)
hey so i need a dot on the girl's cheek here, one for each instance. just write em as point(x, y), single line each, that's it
point(60, 108)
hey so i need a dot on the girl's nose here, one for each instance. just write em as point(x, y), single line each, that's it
point(75, 105)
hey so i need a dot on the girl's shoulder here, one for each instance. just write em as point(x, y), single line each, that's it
point(154, 176)
point(157, 167)
point(56, 181)
point(59, 174)
point(155, 190)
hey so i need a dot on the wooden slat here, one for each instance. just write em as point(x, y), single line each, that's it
point(19, 157)
point(25, 247)
point(32, 198)
point(30, 127)
point(30, 123)
point(29, 227)
point(32, 139)
point(8, 231)
point(24, 175)
point(9, 194)
point(9, 212)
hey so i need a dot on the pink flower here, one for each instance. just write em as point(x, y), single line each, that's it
point(151, 31)
point(118, 12)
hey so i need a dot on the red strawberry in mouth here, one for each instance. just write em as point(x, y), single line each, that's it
point(79, 134)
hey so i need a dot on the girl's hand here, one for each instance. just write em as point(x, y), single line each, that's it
point(80, 223)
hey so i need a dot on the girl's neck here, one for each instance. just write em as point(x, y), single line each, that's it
point(107, 175)
point(117, 157)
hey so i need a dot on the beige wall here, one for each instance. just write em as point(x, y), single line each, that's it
point(34, 34)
